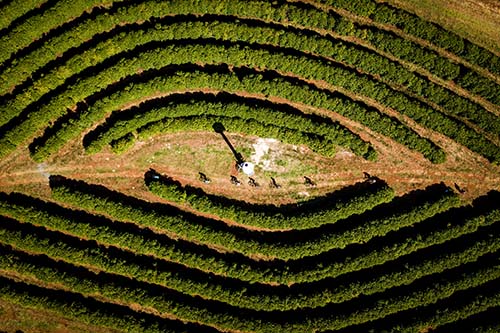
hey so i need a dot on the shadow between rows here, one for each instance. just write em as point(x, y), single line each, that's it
point(423, 314)
point(193, 97)
point(327, 311)
point(59, 30)
point(93, 70)
point(76, 304)
point(316, 205)
point(483, 204)
point(231, 259)
point(71, 116)
point(458, 215)
point(40, 9)
point(149, 263)
point(440, 222)
point(152, 22)
point(490, 317)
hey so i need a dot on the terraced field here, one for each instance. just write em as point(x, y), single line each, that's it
point(375, 135)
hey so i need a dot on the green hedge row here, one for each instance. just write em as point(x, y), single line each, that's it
point(35, 26)
point(164, 248)
point(286, 121)
point(304, 17)
point(95, 313)
point(465, 135)
point(346, 202)
point(207, 231)
point(240, 294)
point(226, 81)
point(449, 312)
point(430, 60)
point(449, 129)
point(15, 9)
point(203, 123)
point(414, 25)
point(195, 310)
point(318, 143)
point(236, 293)
point(366, 60)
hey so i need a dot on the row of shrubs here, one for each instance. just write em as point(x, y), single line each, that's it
point(338, 205)
point(113, 288)
point(207, 231)
point(93, 312)
point(88, 310)
point(58, 105)
point(252, 83)
point(130, 237)
point(304, 17)
point(365, 60)
point(412, 24)
point(278, 121)
point(38, 24)
point(13, 10)
point(233, 292)
point(465, 135)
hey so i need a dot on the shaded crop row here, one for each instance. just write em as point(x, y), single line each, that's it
point(400, 213)
point(477, 322)
point(237, 293)
point(17, 11)
point(263, 33)
point(130, 237)
point(452, 310)
point(289, 124)
point(300, 15)
point(417, 26)
point(89, 310)
point(338, 205)
point(35, 26)
point(331, 317)
point(466, 135)
point(219, 79)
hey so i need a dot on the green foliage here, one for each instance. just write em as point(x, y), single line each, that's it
point(319, 133)
point(96, 313)
point(412, 24)
point(121, 234)
point(236, 293)
point(205, 231)
point(198, 310)
point(342, 204)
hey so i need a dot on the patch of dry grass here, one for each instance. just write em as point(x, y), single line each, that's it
point(476, 20)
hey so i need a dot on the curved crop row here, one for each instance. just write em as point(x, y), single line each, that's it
point(414, 25)
point(240, 294)
point(237, 119)
point(276, 245)
point(301, 16)
point(459, 306)
point(14, 10)
point(462, 132)
point(263, 33)
point(262, 83)
point(89, 310)
point(134, 238)
point(339, 205)
point(35, 26)
point(190, 309)
point(235, 55)
point(233, 107)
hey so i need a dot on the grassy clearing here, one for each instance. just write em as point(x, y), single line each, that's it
point(476, 20)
